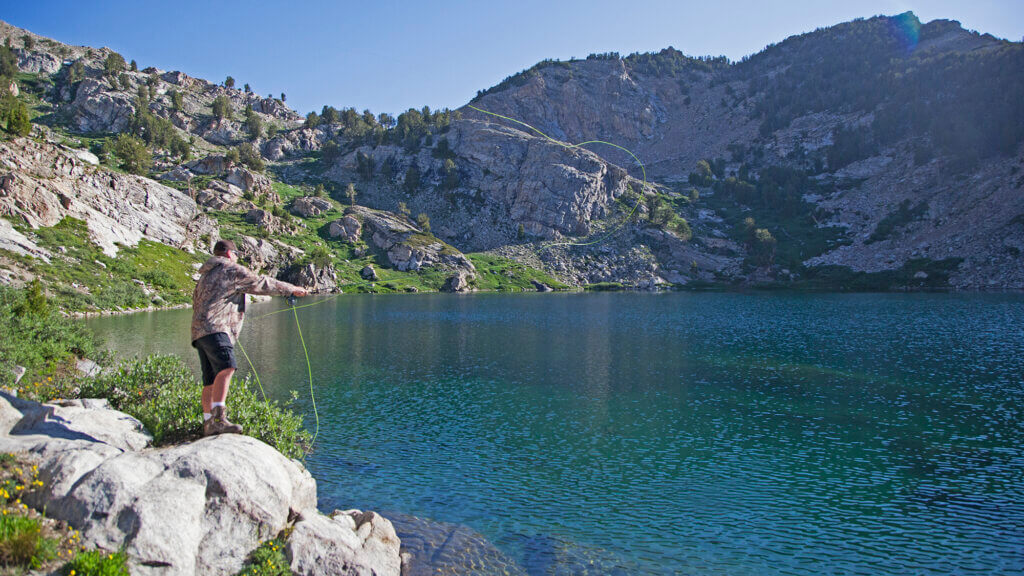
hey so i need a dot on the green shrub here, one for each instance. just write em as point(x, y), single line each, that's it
point(267, 560)
point(248, 155)
point(164, 395)
point(22, 542)
point(160, 278)
point(135, 158)
point(98, 563)
point(18, 122)
point(221, 106)
point(44, 337)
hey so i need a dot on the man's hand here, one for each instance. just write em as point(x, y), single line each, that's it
point(300, 293)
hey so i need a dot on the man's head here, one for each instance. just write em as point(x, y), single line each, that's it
point(225, 249)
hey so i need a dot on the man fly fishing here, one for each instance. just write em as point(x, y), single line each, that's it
point(218, 308)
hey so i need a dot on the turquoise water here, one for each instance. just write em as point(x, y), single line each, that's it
point(660, 434)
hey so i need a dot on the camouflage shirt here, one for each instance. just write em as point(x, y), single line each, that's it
point(218, 303)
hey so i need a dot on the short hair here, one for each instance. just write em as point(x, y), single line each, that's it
point(222, 246)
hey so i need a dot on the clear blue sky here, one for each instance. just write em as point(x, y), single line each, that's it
point(388, 56)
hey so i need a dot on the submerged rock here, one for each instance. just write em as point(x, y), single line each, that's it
point(430, 548)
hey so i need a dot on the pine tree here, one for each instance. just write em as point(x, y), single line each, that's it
point(221, 106)
point(135, 158)
point(18, 122)
point(229, 82)
point(412, 179)
point(350, 193)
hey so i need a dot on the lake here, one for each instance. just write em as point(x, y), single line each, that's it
point(689, 433)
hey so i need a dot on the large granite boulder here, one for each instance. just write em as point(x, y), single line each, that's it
point(294, 142)
point(191, 509)
point(310, 206)
point(346, 542)
point(458, 282)
point(249, 181)
point(431, 547)
point(407, 247)
point(348, 229)
point(96, 108)
point(221, 195)
point(213, 164)
point(269, 256)
point(312, 277)
point(265, 220)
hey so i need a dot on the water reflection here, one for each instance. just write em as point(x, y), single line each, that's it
point(698, 433)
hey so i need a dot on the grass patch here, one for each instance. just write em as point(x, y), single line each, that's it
point(499, 273)
point(83, 277)
point(22, 542)
point(605, 287)
point(98, 563)
point(45, 340)
point(287, 192)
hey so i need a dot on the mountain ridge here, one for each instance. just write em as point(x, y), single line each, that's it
point(834, 158)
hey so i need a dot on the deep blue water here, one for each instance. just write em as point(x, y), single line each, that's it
point(657, 434)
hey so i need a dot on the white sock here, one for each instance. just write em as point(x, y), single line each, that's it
point(207, 416)
point(215, 404)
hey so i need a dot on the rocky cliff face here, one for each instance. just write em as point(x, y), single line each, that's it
point(831, 105)
point(673, 111)
point(43, 182)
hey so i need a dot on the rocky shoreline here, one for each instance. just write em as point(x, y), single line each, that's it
point(197, 508)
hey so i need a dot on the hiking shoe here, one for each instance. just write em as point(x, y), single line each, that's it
point(219, 423)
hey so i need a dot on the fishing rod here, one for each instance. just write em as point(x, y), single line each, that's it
point(298, 327)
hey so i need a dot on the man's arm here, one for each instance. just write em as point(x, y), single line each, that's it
point(248, 282)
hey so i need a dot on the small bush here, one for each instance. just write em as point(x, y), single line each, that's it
point(267, 560)
point(98, 563)
point(22, 542)
point(160, 278)
point(164, 395)
point(134, 155)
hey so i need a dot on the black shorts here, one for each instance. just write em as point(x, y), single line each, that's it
point(216, 353)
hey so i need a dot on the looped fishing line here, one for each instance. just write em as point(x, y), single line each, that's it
point(294, 309)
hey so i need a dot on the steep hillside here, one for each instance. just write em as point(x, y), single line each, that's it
point(909, 136)
point(881, 153)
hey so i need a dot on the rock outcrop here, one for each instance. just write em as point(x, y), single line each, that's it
point(406, 246)
point(346, 542)
point(266, 221)
point(458, 282)
point(268, 256)
point(312, 277)
point(41, 183)
point(191, 509)
point(348, 229)
point(310, 206)
point(98, 109)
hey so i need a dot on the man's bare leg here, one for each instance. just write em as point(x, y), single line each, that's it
point(207, 398)
point(219, 388)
